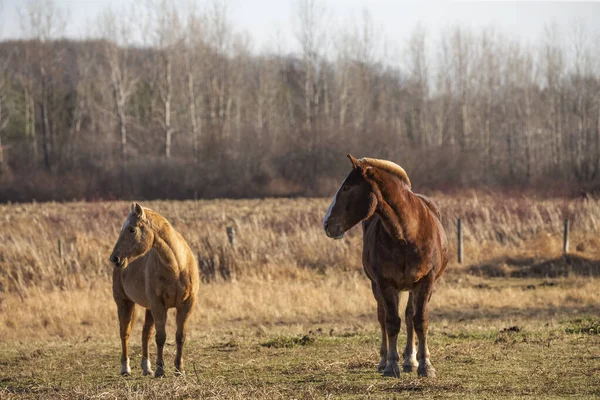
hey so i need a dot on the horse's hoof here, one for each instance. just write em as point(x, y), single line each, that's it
point(159, 373)
point(125, 370)
point(391, 370)
point(426, 370)
point(410, 365)
point(381, 365)
point(146, 367)
point(409, 368)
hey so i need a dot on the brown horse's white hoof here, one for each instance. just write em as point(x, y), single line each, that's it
point(179, 372)
point(147, 370)
point(392, 370)
point(410, 364)
point(426, 369)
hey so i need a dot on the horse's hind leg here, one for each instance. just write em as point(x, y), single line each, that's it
point(390, 298)
point(146, 333)
point(381, 318)
point(183, 314)
point(410, 363)
point(421, 323)
point(126, 311)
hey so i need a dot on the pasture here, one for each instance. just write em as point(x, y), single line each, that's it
point(288, 313)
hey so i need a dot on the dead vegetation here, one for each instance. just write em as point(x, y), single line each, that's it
point(283, 268)
point(280, 238)
point(289, 313)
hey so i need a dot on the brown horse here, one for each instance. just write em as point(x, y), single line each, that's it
point(155, 268)
point(404, 249)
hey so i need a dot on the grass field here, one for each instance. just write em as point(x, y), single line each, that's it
point(288, 312)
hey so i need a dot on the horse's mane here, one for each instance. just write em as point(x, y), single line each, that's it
point(156, 220)
point(388, 166)
point(431, 204)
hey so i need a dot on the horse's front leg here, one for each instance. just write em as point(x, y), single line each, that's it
point(159, 313)
point(126, 312)
point(381, 319)
point(421, 323)
point(390, 298)
point(183, 314)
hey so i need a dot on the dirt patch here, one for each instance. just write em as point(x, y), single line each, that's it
point(287, 342)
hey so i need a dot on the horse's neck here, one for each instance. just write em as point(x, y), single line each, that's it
point(396, 211)
point(165, 248)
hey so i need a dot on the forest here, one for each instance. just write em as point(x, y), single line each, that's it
point(157, 103)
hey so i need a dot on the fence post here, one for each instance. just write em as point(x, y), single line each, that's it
point(566, 238)
point(459, 235)
point(60, 250)
point(231, 236)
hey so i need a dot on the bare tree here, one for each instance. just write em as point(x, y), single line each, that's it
point(168, 45)
point(195, 53)
point(5, 111)
point(418, 87)
point(311, 35)
point(42, 21)
point(116, 30)
point(553, 61)
point(219, 41)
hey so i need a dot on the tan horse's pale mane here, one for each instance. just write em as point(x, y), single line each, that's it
point(156, 220)
point(388, 166)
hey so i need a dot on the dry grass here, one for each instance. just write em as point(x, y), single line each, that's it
point(285, 279)
point(263, 304)
point(275, 237)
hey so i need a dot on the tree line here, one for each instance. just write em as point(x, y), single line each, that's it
point(192, 111)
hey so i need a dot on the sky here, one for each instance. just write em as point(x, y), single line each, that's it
point(272, 22)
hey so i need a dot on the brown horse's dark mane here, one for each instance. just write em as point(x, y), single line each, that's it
point(431, 204)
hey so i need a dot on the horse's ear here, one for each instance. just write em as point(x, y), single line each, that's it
point(356, 164)
point(138, 210)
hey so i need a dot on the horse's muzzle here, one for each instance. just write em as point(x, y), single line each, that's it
point(333, 231)
point(117, 261)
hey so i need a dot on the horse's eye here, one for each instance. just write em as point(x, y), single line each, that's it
point(132, 230)
point(345, 187)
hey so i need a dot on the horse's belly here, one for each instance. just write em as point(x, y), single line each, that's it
point(403, 277)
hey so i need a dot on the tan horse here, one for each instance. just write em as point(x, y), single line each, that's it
point(404, 249)
point(155, 268)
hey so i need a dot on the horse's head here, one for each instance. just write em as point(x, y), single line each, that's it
point(354, 201)
point(135, 239)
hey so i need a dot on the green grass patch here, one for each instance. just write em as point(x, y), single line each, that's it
point(479, 359)
point(587, 325)
point(281, 342)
